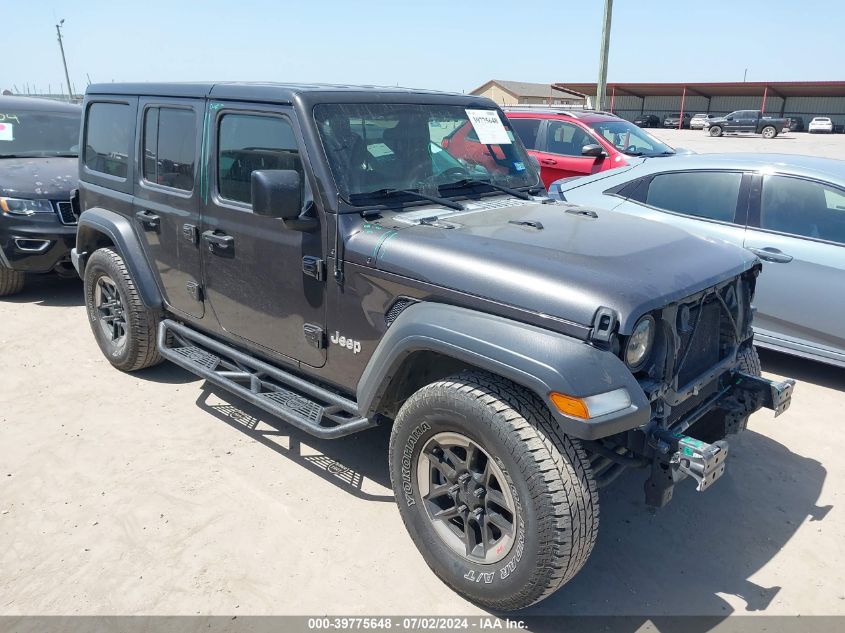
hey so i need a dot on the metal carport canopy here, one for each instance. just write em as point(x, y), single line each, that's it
point(718, 89)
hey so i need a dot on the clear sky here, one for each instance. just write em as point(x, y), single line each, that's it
point(448, 45)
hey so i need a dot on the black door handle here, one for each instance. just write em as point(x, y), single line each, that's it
point(149, 219)
point(771, 254)
point(220, 240)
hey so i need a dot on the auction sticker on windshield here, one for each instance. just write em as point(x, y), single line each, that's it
point(489, 128)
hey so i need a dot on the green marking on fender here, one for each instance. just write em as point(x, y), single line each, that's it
point(382, 240)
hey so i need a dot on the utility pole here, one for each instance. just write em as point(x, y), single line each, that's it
point(64, 61)
point(601, 87)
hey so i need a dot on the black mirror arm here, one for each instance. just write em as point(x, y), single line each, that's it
point(307, 222)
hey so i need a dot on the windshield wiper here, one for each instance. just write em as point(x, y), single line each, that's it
point(480, 181)
point(632, 152)
point(388, 193)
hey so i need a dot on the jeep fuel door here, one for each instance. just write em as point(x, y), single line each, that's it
point(254, 265)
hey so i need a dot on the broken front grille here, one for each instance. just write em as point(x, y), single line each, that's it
point(700, 344)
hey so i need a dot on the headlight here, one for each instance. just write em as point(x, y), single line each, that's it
point(639, 343)
point(23, 206)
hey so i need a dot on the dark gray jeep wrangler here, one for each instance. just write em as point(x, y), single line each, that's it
point(325, 253)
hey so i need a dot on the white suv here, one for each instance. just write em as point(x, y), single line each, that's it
point(821, 124)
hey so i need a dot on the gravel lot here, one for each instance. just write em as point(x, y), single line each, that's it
point(154, 493)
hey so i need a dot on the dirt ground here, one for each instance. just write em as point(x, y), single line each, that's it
point(155, 493)
point(825, 145)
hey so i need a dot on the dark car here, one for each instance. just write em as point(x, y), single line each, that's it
point(647, 120)
point(318, 252)
point(38, 163)
point(795, 124)
point(674, 120)
point(746, 122)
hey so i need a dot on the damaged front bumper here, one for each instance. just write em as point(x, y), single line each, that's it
point(678, 455)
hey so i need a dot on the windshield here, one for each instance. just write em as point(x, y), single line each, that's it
point(433, 149)
point(39, 133)
point(630, 139)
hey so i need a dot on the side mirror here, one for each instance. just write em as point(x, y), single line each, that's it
point(593, 149)
point(276, 193)
point(730, 118)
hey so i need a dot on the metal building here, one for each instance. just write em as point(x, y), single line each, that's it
point(805, 99)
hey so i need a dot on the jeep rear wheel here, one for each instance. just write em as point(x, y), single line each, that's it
point(501, 504)
point(769, 132)
point(11, 281)
point(124, 328)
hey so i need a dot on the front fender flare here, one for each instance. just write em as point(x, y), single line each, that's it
point(97, 222)
point(538, 359)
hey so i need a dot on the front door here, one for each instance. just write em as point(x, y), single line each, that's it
point(559, 152)
point(253, 265)
point(798, 229)
point(166, 202)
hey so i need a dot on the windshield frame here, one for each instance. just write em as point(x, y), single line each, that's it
point(352, 201)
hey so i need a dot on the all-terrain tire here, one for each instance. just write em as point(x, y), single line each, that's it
point(11, 281)
point(749, 361)
point(138, 349)
point(769, 132)
point(715, 130)
point(547, 472)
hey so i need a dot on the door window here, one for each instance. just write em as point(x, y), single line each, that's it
point(170, 147)
point(249, 142)
point(711, 195)
point(527, 130)
point(803, 207)
point(566, 139)
point(107, 137)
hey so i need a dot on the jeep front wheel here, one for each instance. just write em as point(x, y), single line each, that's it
point(124, 328)
point(715, 130)
point(501, 504)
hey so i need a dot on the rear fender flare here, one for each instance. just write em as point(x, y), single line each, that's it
point(96, 223)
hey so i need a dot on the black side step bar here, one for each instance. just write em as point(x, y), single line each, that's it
point(306, 406)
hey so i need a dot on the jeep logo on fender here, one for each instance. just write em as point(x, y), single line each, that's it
point(348, 343)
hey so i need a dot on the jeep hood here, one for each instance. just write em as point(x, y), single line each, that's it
point(560, 260)
point(51, 178)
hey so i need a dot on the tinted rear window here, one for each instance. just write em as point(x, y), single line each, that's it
point(108, 132)
point(711, 195)
point(169, 147)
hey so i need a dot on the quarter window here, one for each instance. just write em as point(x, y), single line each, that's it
point(803, 207)
point(107, 138)
point(711, 195)
point(170, 147)
point(247, 143)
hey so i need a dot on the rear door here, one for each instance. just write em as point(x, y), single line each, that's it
point(166, 202)
point(559, 151)
point(707, 203)
point(253, 265)
point(797, 226)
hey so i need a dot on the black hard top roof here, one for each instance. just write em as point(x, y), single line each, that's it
point(15, 102)
point(260, 91)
